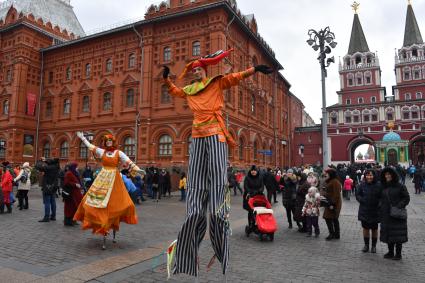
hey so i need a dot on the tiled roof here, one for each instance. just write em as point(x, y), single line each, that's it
point(57, 12)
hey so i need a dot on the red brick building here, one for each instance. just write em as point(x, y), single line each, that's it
point(56, 81)
point(364, 109)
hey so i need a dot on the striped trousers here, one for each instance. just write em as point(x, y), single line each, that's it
point(205, 188)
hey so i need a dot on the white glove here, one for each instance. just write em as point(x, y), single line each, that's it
point(80, 135)
point(78, 186)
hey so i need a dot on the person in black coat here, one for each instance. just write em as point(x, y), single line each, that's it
point(253, 185)
point(231, 179)
point(289, 195)
point(368, 194)
point(393, 231)
point(418, 180)
point(49, 186)
point(302, 191)
point(271, 185)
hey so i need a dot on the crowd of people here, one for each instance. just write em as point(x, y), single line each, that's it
point(380, 192)
point(306, 193)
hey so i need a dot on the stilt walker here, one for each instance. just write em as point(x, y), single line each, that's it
point(107, 202)
point(207, 174)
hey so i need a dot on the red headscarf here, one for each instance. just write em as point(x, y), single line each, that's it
point(206, 61)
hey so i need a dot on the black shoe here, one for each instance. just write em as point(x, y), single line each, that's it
point(373, 250)
point(53, 218)
point(330, 237)
point(290, 226)
point(316, 235)
point(308, 235)
point(276, 201)
point(365, 249)
point(397, 257)
point(389, 255)
point(336, 236)
point(44, 220)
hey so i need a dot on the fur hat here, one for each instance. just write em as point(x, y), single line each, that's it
point(26, 165)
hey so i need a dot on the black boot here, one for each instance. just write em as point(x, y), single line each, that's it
point(2, 208)
point(331, 230)
point(398, 247)
point(9, 208)
point(390, 253)
point(45, 219)
point(373, 249)
point(366, 245)
point(336, 225)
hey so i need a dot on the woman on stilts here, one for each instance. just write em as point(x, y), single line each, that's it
point(107, 202)
point(207, 172)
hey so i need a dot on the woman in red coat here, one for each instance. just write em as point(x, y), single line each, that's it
point(72, 181)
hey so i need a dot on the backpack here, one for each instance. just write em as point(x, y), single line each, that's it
point(66, 192)
point(24, 177)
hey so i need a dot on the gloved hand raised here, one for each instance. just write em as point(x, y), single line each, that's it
point(263, 69)
point(165, 72)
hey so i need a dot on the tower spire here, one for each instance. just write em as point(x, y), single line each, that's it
point(412, 34)
point(358, 41)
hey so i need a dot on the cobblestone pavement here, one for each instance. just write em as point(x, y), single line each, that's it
point(51, 252)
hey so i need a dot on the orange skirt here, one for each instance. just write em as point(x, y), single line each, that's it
point(120, 209)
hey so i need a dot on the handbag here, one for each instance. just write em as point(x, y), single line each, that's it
point(396, 212)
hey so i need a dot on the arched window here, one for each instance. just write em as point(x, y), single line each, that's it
point(129, 100)
point(9, 75)
point(107, 101)
point(165, 96)
point(86, 104)
point(240, 100)
point(6, 107)
point(407, 96)
point(165, 145)
point(368, 78)
point(419, 95)
point(423, 110)
point(374, 115)
point(253, 104)
point(348, 101)
point(255, 151)
point(64, 149)
point(2, 148)
point(350, 79)
point(389, 112)
point(167, 54)
point(368, 59)
point(189, 143)
point(129, 146)
point(46, 150)
point(360, 100)
point(132, 60)
point(241, 147)
point(108, 66)
point(68, 74)
point(414, 52)
point(88, 70)
point(359, 79)
point(347, 62)
point(84, 154)
point(405, 113)
point(347, 116)
point(334, 118)
point(366, 116)
point(414, 112)
point(358, 59)
point(417, 73)
point(373, 99)
point(66, 106)
point(196, 48)
point(356, 116)
point(48, 112)
point(407, 73)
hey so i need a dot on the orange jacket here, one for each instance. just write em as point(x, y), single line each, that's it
point(206, 100)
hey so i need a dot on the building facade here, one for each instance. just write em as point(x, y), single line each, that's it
point(56, 81)
point(364, 109)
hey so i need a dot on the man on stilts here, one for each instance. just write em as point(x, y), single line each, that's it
point(207, 173)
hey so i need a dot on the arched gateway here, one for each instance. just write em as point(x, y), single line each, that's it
point(362, 149)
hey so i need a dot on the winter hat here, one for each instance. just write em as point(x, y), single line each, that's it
point(26, 165)
point(5, 163)
point(290, 171)
point(253, 167)
point(347, 177)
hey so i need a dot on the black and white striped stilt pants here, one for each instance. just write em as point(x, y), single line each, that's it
point(205, 185)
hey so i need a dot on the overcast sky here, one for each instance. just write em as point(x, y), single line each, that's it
point(284, 25)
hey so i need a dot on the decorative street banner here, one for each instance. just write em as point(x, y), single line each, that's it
point(31, 101)
point(28, 145)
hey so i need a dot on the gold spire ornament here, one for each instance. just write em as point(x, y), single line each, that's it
point(355, 6)
point(391, 125)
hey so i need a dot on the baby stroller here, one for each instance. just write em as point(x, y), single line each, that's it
point(262, 221)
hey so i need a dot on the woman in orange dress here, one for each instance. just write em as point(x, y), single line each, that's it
point(107, 202)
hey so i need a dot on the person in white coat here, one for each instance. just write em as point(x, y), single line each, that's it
point(24, 185)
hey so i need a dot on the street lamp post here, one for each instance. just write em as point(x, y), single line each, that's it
point(323, 41)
